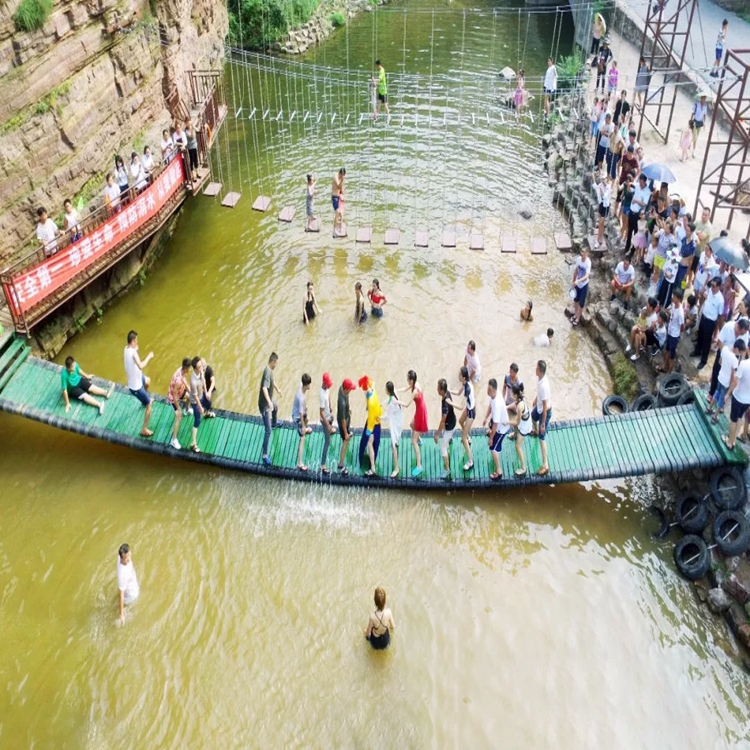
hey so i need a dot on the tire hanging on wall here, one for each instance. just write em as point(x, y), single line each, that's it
point(728, 488)
point(614, 405)
point(691, 513)
point(732, 532)
point(645, 402)
point(692, 558)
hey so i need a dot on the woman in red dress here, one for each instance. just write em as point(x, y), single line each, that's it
point(419, 423)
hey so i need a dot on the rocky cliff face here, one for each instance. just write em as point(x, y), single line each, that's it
point(92, 83)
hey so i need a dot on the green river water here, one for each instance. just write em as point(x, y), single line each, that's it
point(525, 619)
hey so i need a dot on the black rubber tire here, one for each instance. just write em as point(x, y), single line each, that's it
point(663, 530)
point(671, 387)
point(687, 398)
point(646, 402)
point(723, 525)
point(692, 558)
point(728, 488)
point(618, 402)
point(691, 512)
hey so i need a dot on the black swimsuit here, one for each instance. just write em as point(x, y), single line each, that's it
point(380, 641)
point(310, 307)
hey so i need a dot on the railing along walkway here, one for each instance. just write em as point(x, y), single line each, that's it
point(672, 439)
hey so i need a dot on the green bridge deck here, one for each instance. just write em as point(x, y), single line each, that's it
point(664, 440)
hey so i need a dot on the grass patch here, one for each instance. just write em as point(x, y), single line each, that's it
point(338, 19)
point(31, 14)
point(624, 378)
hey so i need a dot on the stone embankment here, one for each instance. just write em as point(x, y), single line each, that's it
point(322, 25)
point(78, 91)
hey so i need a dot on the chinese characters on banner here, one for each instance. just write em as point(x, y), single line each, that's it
point(33, 285)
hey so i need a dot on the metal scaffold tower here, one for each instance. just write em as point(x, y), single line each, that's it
point(663, 47)
point(725, 175)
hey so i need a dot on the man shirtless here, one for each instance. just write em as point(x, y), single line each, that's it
point(337, 199)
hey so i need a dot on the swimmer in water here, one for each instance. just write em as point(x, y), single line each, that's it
point(309, 304)
point(526, 315)
point(381, 624)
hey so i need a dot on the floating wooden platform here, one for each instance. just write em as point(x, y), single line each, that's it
point(262, 203)
point(340, 232)
point(538, 245)
point(212, 189)
point(563, 241)
point(314, 226)
point(579, 449)
point(421, 238)
point(476, 241)
point(287, 214)
point(364, 235)
point(392, 236)
point(449, 238)
point(508, 244)
point(591, 242)
point(231, 199)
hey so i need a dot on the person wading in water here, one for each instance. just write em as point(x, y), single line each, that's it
point(380, 626)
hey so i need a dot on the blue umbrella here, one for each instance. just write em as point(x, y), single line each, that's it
point(726, 250)
point(659, 173)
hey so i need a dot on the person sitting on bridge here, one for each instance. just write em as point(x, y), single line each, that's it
point(46, 232)
point(77, 384)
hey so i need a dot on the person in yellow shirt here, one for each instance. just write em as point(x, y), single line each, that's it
point(370, 441)
point(380, 82)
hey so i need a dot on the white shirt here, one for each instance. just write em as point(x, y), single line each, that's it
point(702, 274)
point(727, 336)
point(72, 219)
point(541, 340)
point(137, 173)
point(640, 194)
point(46, 232)
point(550, 78)
point(676, 321)
point(148, 162)
point(606, 132)
point(180, 138)
point(127, 581)
point(713, 306)
point(325, 403)
point(742, 391)
point(167, 147)
point(625, 275)
point(661, 334)
point(728, 365)
point(543, 394)
point(132, 371)
point(605, 194)
point(583, 268)
point(113, 193)
point(473, 365)
point(499, 414)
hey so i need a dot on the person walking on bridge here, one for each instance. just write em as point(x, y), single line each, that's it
point(337, 201)
point(138, 383)
point(380, 82)
point(268, 407)
point(541, 413)
point(178, 387)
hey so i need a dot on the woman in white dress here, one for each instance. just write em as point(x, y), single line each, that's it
point(395, 416)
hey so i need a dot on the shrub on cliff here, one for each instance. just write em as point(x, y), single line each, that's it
point(338, 19)
point(31, 14)
point(255, 24)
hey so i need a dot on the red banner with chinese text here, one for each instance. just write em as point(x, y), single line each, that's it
point(33, 285)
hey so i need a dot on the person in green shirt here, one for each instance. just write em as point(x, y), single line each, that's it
point(77, 384)
point(382, 89)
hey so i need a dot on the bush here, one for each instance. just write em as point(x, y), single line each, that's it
point(31, 14)
point(568, 69)
point(255, 24)
point(338, 19)
point(624, 377)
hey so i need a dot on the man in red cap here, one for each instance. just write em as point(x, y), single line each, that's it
point(326, 419)
point(343, 417)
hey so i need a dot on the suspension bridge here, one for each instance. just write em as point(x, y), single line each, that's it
point(672, 439)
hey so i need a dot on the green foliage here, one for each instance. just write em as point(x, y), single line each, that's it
point(31, 14)
point(41, 107)
point(338, 19)
point(624, 377)
point(568, 69)
point(255, 24)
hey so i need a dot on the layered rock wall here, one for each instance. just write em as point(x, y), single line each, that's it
point(91, 83)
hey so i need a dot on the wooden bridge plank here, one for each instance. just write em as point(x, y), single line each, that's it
point(254, 444)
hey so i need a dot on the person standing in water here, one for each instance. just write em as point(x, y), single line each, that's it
point(380, 82)
point(471, 360)
point(371, 434)
point(419, 423)
point(380, 625)
point(444, 432)
point(310, 204)
point(326, 419)
point(377, 299)
point(309, 304)
point(468, 414)
point(127, 580)
point(395, 417)
point(337, 199)
point(360, 314)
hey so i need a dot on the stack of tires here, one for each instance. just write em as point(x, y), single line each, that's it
point(673, 390)
point(731, 528)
